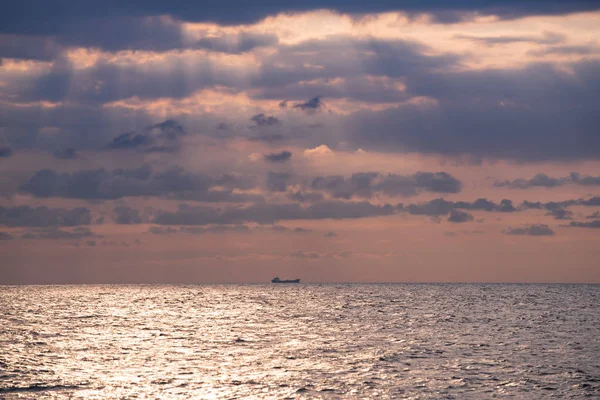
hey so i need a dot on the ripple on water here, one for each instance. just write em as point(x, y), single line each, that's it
point(301, 341)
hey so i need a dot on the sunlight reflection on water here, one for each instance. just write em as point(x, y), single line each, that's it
point(300, 341)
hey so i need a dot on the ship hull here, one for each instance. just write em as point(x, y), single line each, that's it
point(286, 281)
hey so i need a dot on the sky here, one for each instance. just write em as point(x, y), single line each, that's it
point(332, 141)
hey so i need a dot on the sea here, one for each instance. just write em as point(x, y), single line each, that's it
point(296, 341)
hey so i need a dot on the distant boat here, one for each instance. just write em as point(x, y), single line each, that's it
point(277, 280)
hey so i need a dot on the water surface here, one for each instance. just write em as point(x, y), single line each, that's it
point(300, 341)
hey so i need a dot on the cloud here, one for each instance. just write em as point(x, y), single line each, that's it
point(159, 230)
point(282, 156)
point(6, 236)
point(197, 230)
point(142, 181)
point(74, 18)
point(302, 230)
point(321, 150)
point(546, 38)
point(594, 215)
point(162, 136)
point(584, 180)
point(21, 216)
point(543, 180)
point(69, 153)
point(310, 106)
point(126, 215)
point(438, 207)
point(277, 181)
point(5, 151)
point(133, 32)
point(592, 201)
point(431, 208)
point(560, 213)
point(59, 234)
point(129, 140)
point(26, 47)
point(551, 205)
point(330, 234)
point(265, 120)
point(531, 230)
point(310, 255)
point(306, 197)
point(591, 224)
point(459, 216)
point(269, 213)
point(367, 184)
point(524, 118)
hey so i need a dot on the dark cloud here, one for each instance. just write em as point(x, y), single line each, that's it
point(236, 43)
point(5, 151)
point(479, 204)
point(129, 140)
point(285, 73)
point(594, 215)
point(277, 181)
point(312, 105)
point(524, 112)
point(126, 215)
point(543, 180)
point(43, 216)
point(593, 201)
point(6, 236)
point(431, 208)
point(162, 136)
point(306, 197)
point(278, 157)
point(366, 184)
point(548, 38)
point(27, 47)
point(72, 16)
point(330, 234)
point(198, 230)
point(560, 213)
point(565, 50)
point(592, 224)
point(116, 33)
point(159, 230)
point(584, 180)
point(551, 205)
point(533, 113)
point(269, 213)
point(439, 207)
point(531, 230)
point(69, 153)
point(265, 120)
point(169, 129)
point(57, 234)
point(302, 230)
point(459, 216)
point(142, 181)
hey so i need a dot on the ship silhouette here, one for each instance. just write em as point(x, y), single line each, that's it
point(277, 280)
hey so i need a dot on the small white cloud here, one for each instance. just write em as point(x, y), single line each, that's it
point(255, 157)
point(321, 150)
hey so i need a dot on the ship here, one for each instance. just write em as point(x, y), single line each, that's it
point(277, 280)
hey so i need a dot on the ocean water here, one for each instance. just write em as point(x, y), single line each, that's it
point(421, 341)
